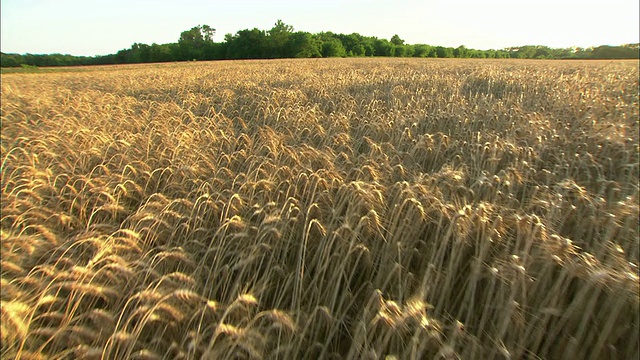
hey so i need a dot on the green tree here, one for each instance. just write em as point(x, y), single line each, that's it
point(401, 50)
point(279, 38)
point(616, 52)
point(197, 36)
point(444, 52)
point(192, 42)
point(421, 50)
point(161, 53)
point(330, 45)
point(356, 44)
point(11, 60)
point(247, 44)
point(333, 48)
point(305, 45)
point(382, 47)
point(461, 52)
point(395, 40)
point(477, 54)
point(524, 52)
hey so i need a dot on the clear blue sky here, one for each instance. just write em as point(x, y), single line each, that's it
point(88, 27)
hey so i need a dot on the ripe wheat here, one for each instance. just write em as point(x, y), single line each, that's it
point(339, 208)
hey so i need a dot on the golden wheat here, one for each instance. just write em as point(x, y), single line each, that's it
point(336, 208)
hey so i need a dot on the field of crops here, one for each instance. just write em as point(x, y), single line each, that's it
point(322, 209)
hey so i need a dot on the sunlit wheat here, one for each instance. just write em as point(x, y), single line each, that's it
point(322, 209)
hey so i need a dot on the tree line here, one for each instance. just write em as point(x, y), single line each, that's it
point(282, 41)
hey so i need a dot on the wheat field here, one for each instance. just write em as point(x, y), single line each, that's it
point(322, 209)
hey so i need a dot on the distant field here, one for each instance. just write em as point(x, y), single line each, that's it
point(322, 209)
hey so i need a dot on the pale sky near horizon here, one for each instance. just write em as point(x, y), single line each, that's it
point(88, 27)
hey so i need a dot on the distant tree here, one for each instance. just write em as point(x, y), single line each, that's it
point(355, 44)
point(162, 53)
point(247, 44)
point(402, 50)
point(444, 52)
point(281, 41)
point(368, 43)
point(192, 42)
point(461, 52)
point(333, 47)
point(421, 50)
point(524, 52)
point(305, 45)
point(382, 47)
point(197, 35)
point(141, 53)
point(477, 54)
point(358, 50)
point(11, 60)
point(395, 40)
point(409, 50)
point(279, 37)
point(630, 51)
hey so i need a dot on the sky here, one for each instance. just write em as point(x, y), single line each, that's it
point(88, 27)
